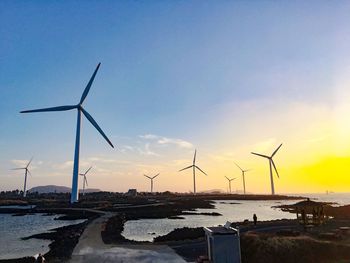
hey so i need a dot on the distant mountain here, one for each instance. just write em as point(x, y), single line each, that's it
point(212, 191)
point(58, 189)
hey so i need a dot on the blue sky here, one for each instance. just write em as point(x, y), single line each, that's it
point(179, 70)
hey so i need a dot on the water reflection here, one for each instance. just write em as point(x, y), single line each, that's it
point(231, 210)
point(13, 228)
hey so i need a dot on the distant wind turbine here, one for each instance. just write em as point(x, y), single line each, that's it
point(151, 178)
point(194, 166)
point(85, 180)
point(229, 182)
point(26, 171)
point(271, 162)
point(243, 175)
point(80, 109)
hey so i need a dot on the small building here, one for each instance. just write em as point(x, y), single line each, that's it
point(310, 212)
point(223, 244)
point(131, 192)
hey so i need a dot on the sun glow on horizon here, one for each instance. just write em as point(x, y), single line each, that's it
point(171, 83)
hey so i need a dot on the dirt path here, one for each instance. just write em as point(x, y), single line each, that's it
point(91, 236)
point(91, 249)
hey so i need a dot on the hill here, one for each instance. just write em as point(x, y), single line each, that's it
point(58, 189)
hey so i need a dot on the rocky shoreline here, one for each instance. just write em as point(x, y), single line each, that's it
point(156, 206)
point(271, 241)
point(63, 239)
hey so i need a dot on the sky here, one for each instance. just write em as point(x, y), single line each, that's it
point(223, 77)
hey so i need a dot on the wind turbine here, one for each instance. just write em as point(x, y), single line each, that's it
point(151, 178)
point(26, 171)
point(194, 166)
point(243, 176)
point(271, 162)
point(229, 182)
point(80, 109)
point(85, 180)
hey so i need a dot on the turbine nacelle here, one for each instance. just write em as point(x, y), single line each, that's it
point(243, 171)
point(88, 170)
point(270, 158)
point(194, 167)
point(151, 178)
point(85, 179)
point(25, 176)
point(272, 164)
point(230, 179)
point(229, 182)
point(80, 109)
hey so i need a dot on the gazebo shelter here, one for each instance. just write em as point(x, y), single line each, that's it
point(310, 212)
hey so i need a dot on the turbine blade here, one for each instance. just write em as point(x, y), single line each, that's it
point(88, 86)
point(276, 150)
point(227, 178)
point(261, 155)
point(18, 169)
point(29, 162)
point(200, 169)
point(94, 123)
point(155, 176)
point(88, 170)
point(147, 176)
point(186, 168)
point(274, 166)
point(247, 170)
point(86, 181)
point(232, 179)
point(29, 172)
point(194, 157)
point(59, 108)
point(238, 166)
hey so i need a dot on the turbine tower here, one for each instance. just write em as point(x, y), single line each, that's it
point(80, 110)
point(229, 182)
point(26, 171)
point(271, 162)
point(194, 167)
point(85, 180)
point(151, 178)
point(243, 175)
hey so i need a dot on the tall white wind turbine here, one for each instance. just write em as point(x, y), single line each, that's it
point(151, 178)
point(26, 172)
point(194, 167)
point(84, 179)
point(80, 109)
point(271, 162)
point(229, 182)
point(243, 176)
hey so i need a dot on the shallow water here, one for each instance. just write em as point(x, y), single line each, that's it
point(147, 229)
point(13, 228)
point(17, 206)
point(338, 198)
point(231, 210)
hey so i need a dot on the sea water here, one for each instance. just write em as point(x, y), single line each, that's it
point(231, 210)
point(14, 228)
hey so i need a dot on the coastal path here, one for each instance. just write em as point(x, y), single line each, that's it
point(92, 249)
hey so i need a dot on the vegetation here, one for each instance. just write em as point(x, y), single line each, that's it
point(269, 248)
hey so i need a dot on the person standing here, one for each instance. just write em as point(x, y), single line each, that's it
point(40, 259)
point(255, 218)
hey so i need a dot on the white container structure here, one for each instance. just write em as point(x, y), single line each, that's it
point(223, 244)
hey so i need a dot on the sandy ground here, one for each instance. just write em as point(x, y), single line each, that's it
point(91, 248)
